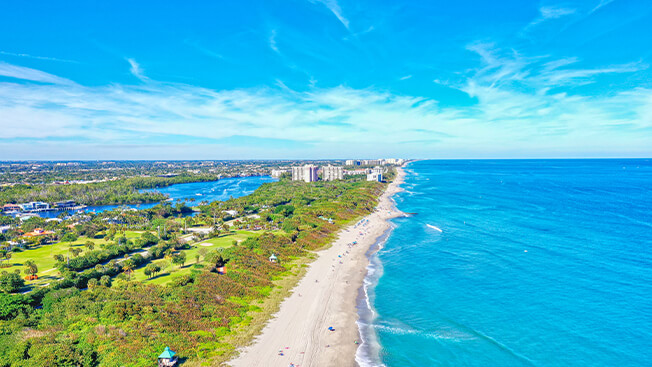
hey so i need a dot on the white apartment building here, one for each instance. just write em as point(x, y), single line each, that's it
point(375, 174)
point(375, 177)
point(307, 173)
point(331, 173)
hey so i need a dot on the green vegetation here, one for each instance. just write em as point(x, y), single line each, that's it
point(124, 289)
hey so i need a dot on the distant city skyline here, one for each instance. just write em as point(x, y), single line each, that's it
point(332, 79)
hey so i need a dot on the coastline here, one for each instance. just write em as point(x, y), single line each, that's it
point(325, 297)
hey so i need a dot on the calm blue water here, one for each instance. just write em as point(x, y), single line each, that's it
point(539, 263)
point(197, 191)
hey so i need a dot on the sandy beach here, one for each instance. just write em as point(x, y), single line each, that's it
point(326, 297)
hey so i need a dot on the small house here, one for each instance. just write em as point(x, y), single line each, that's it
point(273, 259)
point(168, 358)
point(11, 208)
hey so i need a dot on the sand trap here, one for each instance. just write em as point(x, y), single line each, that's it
point(206, 244)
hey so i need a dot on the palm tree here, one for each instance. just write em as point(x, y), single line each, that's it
point(30, 268)
point(128, 266)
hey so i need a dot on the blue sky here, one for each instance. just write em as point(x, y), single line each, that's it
point(325, 79)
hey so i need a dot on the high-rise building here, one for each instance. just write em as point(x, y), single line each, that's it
point(372, 162)
point(331, 173)
point(352, 162)
point(307, 173)
point(375, 174)
point(375, 177)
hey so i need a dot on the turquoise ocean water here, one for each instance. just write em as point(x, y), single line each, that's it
point(515, 263)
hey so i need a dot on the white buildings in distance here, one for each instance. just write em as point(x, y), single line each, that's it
point(310, 173)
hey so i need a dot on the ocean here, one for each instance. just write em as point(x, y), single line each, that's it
point(514, 263)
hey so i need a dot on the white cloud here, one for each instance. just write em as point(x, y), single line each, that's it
point(518, 107)
point(550, 12)
point(36, 57)
point(136, 70)
point(334, 7)
point(20, 72)
point(547, 13)
point(405, 77)
point(272, 41)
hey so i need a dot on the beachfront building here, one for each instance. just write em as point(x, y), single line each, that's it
point(352, 162)
point(396, 161)
point(168, 358)
point(375, 177)
point(307, 173)
point(372, 162)
point(332, 173)
point(375, 174)
point(359, 171)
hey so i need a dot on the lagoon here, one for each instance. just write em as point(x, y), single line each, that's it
point(192, 193)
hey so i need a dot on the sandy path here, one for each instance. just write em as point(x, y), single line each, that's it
point(326, 296)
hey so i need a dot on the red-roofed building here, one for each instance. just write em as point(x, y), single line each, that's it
point(37, 232)
point(11, 207)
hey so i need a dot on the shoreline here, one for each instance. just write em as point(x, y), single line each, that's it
point(326, 296)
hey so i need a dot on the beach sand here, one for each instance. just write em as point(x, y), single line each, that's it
point(325, 297)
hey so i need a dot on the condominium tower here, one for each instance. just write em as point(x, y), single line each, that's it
point(307, 173)
point(331, 173)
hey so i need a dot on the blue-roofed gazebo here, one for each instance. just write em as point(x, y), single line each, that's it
point(168, 358)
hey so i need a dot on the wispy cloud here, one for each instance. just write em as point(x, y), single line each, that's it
point(547, 13)
point(518, 105)
point(405, 77)
point(20, 72)
point(272, 41)
point(46, 58)
point(136, 70)
point(601, 4)
point(334, 7)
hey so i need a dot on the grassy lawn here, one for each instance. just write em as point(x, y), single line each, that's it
point(171, 271)
point(43, 256)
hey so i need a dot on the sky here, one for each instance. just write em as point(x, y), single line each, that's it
point(292, 79)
